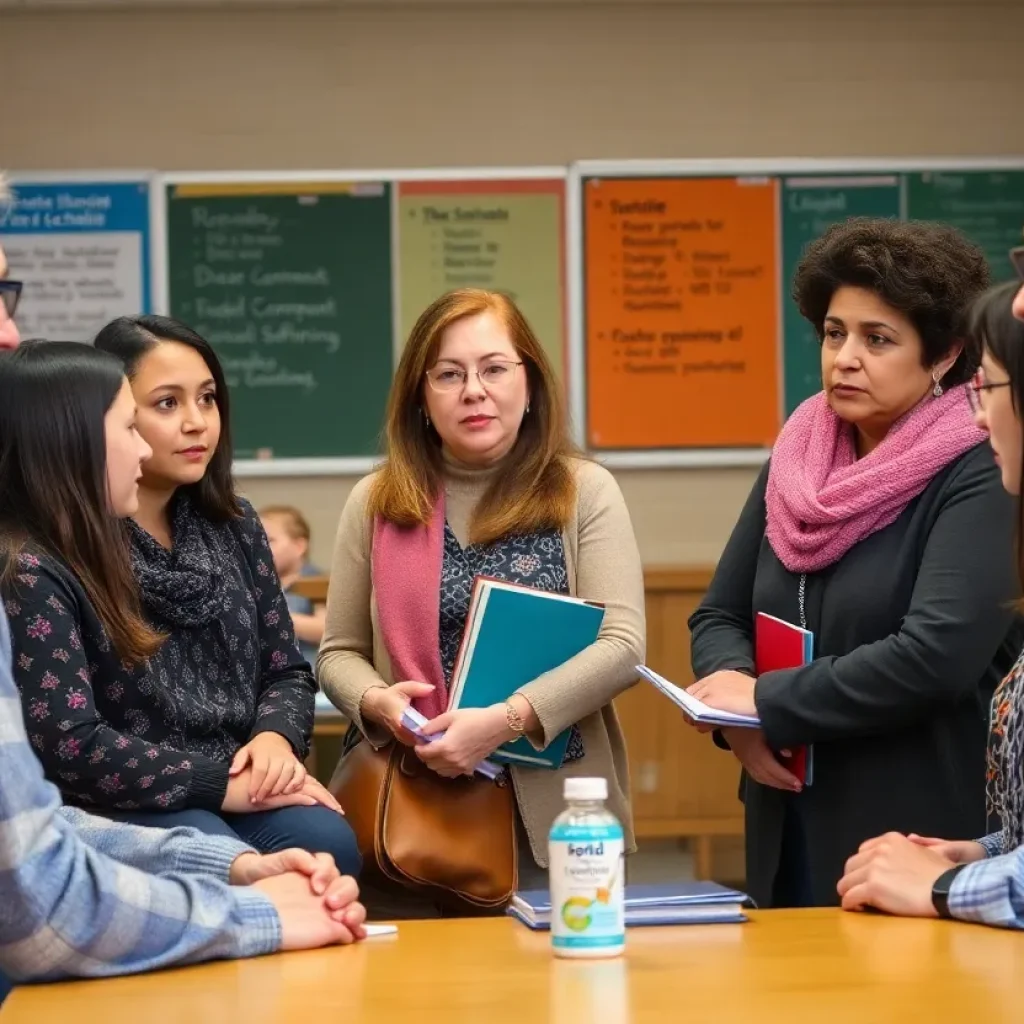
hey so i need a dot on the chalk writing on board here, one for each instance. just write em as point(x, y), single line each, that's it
point(291, 284)
point(239, 301)
point(987, 206)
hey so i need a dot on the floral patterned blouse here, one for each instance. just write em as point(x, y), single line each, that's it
point(161, 735)
point(533, 560)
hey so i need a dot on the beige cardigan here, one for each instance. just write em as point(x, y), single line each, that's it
point(603, 565)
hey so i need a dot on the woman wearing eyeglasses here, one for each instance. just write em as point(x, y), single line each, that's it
point(481, 479)
point(881, 526)
point(980, 880)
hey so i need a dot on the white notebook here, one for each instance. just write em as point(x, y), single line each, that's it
point(696, 709)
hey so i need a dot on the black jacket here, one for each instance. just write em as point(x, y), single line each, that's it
point(913, 628)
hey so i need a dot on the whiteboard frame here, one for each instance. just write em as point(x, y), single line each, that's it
point(705, 458)
point(325, 466)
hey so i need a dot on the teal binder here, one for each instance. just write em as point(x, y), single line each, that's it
point(513, 635)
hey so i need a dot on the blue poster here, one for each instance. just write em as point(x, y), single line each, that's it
point(82, 251)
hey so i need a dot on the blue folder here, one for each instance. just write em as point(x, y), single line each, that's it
point(513, 635)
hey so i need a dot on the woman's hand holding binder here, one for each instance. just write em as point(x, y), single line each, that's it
point(385, 704)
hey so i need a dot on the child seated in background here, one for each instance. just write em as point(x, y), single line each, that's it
point(288, 533)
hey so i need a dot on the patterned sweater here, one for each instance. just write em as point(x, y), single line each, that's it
point(162, 735)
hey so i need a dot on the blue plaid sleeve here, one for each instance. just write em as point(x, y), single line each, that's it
point(991, 891)
point(68, 910)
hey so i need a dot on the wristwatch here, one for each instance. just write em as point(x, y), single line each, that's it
point(940, 890)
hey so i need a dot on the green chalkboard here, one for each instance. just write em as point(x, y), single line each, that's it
point(810, 205)
point(291, 285)
point(988, 206)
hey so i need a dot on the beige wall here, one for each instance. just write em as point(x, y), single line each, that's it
point(423, 85)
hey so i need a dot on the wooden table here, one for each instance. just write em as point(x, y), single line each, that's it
point(820, 966)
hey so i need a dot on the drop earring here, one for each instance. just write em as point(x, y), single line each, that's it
point(937, 390)
point(527, 405)
point(426, 416)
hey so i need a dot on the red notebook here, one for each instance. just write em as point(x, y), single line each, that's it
point(777, 645)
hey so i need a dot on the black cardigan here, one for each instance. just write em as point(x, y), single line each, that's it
point(159, 736)
point(912, 630)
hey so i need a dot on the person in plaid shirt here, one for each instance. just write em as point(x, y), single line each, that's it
point(974, 880)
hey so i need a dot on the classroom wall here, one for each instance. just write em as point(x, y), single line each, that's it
point(427, 84)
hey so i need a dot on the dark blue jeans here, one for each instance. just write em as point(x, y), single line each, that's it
point(317, 829)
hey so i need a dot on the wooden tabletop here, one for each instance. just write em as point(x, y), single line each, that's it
point(820, 966)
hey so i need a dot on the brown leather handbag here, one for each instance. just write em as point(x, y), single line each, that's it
point(455, 838)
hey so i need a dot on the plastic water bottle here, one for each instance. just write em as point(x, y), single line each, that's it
point(586, 851)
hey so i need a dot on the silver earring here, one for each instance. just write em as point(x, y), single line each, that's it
point(527, 406)
point(937, 390)
point(426, 416)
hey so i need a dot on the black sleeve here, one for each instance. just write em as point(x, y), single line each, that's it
point(722, 627)
point(960, 612)
point(286, 689)
point(88, 759)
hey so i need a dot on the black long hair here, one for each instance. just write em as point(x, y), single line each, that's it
point(995, 327)
point(54, 397)
point(130, 338)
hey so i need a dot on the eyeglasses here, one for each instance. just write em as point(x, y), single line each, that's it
point(10, 295)
point(978, 386)
point(498, 373)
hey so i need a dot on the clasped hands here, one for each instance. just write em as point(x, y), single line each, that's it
point(265, 775)
point(315, 903)
point(471, 734)
point(734, 692)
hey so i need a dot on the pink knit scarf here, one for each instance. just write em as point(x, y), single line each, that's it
point(406, 574)
point(822, 500)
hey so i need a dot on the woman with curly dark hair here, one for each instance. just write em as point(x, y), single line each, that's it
point(864, 529)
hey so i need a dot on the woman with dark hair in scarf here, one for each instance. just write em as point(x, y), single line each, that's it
point(210, 725)
point(863, 530)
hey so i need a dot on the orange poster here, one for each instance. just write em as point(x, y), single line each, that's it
point(681, 312)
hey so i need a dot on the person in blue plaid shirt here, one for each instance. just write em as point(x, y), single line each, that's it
point(980, 880)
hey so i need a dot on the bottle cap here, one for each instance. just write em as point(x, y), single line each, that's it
point(586, 789)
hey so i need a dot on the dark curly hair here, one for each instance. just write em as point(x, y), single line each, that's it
point(931, 273)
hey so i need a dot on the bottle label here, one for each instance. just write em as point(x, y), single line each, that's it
point(587, 891)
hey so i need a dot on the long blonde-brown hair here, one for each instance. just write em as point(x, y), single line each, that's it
point(535, 491)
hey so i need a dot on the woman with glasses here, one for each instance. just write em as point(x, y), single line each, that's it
point(879, 525)
point(481, 479)
point(975, 880)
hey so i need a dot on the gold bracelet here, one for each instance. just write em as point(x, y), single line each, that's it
point(513, 719)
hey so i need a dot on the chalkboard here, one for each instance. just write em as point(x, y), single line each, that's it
point(811, 205)
point(291, 284)
point(988, 206)
point(82, 248)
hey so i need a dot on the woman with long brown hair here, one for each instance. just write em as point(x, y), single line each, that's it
point(481, 468)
